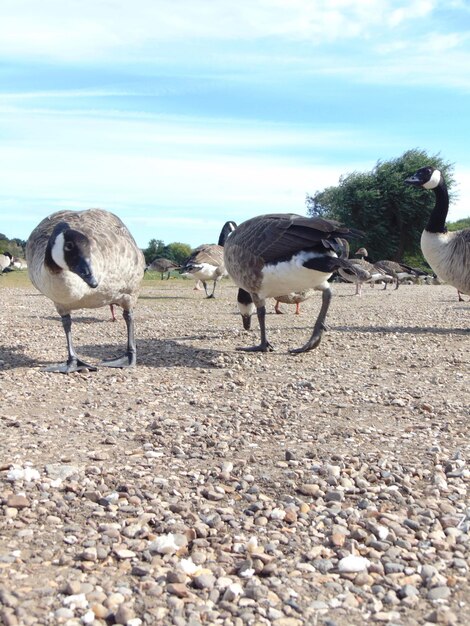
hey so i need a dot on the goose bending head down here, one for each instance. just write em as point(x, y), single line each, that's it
point(448, 253)
point(85, 260)
point(278, 254)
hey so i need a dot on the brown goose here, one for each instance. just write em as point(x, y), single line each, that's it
point(86, 259)
point(448, 253)
point(162, 265)
point(398, 271)
point(277, 254)
point(207, 261)
point(295, 297)
point(365, 272)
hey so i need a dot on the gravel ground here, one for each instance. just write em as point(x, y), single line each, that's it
point(209, 486)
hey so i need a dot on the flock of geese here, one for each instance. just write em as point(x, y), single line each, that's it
point(89, 259)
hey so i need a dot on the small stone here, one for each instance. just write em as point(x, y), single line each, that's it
point(442, 615)
point(178, 589)
point(290, 516)
point(353, 563)
point(18, 501)
point(89, 554)
point(438, 593)
point(308, 489)
point(204, 581)
point(123, 553)
point(124, 614)
point(407, 591)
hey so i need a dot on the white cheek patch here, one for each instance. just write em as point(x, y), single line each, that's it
point(57, 251)
point(247, 309)
point(434, 181)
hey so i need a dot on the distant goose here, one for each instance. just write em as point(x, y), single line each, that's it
point(85, 260)
point(247, 308)
point(5, 261)
point(162, 265)
point(296, 297)
point(365, 272)
point(207, 261)
point(448, 253)
point(398, 271)
point(274, 254)
point(19, 263)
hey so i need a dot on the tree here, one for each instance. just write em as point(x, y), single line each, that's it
point(153, 250)
point(459, 224)
point(177, 252)
point(389, 213)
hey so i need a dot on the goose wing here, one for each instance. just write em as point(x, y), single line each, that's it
point(275, 237)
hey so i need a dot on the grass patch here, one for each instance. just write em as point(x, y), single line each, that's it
point(15, 280)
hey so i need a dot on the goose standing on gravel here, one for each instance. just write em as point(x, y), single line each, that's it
point(162, 265)
point(277, 254)
point(207, 261)
point(398, 271)
point(85, 260)
point(365, 272)
point(295, 297)
point(5, 261)
point(448, 253)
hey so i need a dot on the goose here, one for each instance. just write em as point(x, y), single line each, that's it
point(5, 261)
point(277, 254)
point(398, 271)
point(448, 253)
point(206, 262)
point(247, 308)
point(365, 272)
point(86, 259)
point(162, 265)
point(296, 297)
point(18, 263)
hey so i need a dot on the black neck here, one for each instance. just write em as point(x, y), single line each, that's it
point(437, 219)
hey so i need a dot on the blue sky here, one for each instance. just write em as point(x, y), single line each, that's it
point(180, 115)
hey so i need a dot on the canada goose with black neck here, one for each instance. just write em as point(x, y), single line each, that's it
point(447, 252)
point(277, 254)
point(85, 260)
point(206, 262)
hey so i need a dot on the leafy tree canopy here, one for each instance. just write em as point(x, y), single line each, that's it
point(391, 215)
point(176, 251)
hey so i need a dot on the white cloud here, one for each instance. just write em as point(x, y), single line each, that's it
point(86, 29)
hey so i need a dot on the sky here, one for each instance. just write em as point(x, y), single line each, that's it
point(178, 115)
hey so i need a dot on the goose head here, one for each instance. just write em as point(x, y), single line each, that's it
point(427, 177)
point(69, 249)
point(362, 252)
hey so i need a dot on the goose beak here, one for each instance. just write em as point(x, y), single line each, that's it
point(83, 269)
point(246, 319)
point(412, 180)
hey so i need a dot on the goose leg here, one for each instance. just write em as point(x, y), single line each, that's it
point(213, 290)
point(129, 359)
point(264, 346)
point(319, 327)
point(205, 287)
point(73, 363)
point(276, 307)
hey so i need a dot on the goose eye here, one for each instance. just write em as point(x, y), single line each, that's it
point(68, 246)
